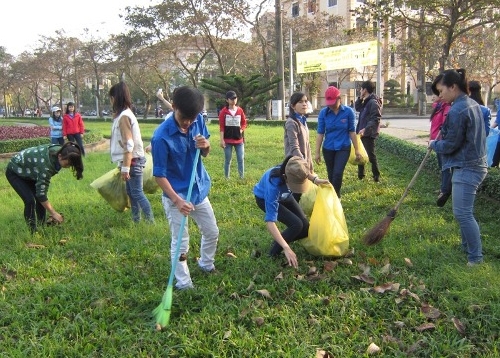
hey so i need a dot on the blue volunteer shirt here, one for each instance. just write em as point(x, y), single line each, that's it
point(173, 157)
point(271, 189)
point(336, 127)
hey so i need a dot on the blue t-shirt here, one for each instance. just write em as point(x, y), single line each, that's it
point(271, 189)
point(336, 127)
point(173, 157)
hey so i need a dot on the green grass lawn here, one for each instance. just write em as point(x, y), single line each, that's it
point(89, 290)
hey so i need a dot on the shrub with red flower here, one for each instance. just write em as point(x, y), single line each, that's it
point(23, 132)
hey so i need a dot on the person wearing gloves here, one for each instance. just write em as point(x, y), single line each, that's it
point(56, 126)
point(29, 172)
point(274, 196)
point(127, 149)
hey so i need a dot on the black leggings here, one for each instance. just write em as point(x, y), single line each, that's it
point(292, 215)
point(77, 138)
point(25, 188)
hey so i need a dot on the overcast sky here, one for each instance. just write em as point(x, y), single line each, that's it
point(23, 21)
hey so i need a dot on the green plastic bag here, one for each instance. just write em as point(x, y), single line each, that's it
point(364, 155)
point(150, 186)
point(328, 234)
point(112, 188)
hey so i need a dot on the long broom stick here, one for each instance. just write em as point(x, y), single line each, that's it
point(162, 312)
point(377, 233)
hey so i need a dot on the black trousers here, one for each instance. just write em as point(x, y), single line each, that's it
point(369, 144)
point(496, 156)
point(33, 210)
point(292, 216)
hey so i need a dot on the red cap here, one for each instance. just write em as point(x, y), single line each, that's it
point(331, 95)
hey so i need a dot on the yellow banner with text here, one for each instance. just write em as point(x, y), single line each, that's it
point(338, 57)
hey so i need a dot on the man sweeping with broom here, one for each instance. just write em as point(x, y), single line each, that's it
point(176, 146)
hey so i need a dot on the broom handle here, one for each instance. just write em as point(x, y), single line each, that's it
point(183, 222)
point(412, 182)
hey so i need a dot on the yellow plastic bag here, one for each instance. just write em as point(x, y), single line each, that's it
point(150, 186)
point(362, 151)
point(307, 199)
point(112, 188)
point(328, 234)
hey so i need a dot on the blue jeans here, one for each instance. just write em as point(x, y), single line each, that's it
point(138, 199)
point(465, 182)
point(336, 161)
point(240, 156)
point(77, 138)
point(57, 140)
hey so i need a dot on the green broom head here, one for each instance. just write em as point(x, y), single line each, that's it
point(162, 312)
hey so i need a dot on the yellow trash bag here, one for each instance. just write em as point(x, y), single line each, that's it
point(112, 188)
point(328, 234)
point(307, 199)
point(362, 151)
point(149, 183)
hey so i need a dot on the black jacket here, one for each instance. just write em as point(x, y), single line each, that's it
point(370, 113)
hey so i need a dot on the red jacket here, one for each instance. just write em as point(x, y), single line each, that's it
point(231, 126)
point(438, 116)
point(73, 125)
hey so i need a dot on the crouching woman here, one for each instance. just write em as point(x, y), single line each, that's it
point(29, 172)
point(273, 194)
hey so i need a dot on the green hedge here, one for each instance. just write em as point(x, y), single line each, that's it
point(415, 154)
point(12, 146)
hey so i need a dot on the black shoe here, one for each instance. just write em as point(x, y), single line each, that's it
point(361, 177)
point(376, 178)
point(442, 199)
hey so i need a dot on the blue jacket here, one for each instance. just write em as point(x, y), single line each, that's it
point(463, 142)
point(56, 127)
point(336, 127)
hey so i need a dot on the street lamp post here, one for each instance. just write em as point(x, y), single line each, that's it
point(279, 51)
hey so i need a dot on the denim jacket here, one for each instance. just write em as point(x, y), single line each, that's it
point(463, 142)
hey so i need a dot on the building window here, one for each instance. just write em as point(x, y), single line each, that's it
point(295, 9)
point(332, 3)
point(311, 6)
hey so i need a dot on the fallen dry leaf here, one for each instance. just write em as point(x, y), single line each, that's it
point(259, 321)
point(350, 253)
point(415, 346)
point(408, 262)
point(279, 276)
point(255, 253)
point(314, 278)
point(8, 274)
point(230, 254)
point(329, 265)
point(346, 262)
point(227, 334)
point(312, 271)
point(385, 269)
point(425, 327)
point(382, 288)
point(235, 296)
point(326, 301)
point(399, 324)
point(373, 261)
point(312, 321)
point(429, 311)
point(364, 278)
point(459, 325)
point(373, 349)
point(265, 293)
point(320, 353)
point(34, 246)
point(251, 286)
point(63, 242)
